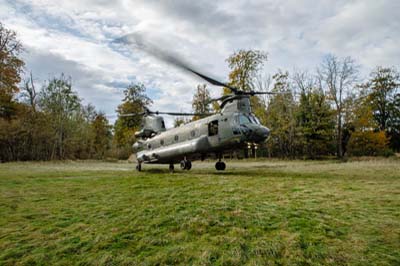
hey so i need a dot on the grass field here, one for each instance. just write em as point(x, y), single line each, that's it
point(255, 213)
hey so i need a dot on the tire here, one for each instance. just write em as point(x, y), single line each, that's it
point(188, 165)
point(183, 165)
point(220, 166)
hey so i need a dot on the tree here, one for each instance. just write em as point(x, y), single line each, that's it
point(281, 121)
point(259, 103)
point(63, 105)
point(178, 121)
point(11, 67)
point(337, 76)
point(315, 117)
point(29, 92)
point(201, 102)
point(101, 134)
point(244, 66)
point(366, 138)
point(384, 97)
point(135, 101)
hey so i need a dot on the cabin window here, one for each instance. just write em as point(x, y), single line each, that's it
point(213, 128)
point(236, 131)
point(176, 138)
point(149, 146)
point(192, 133)
point(162, 142)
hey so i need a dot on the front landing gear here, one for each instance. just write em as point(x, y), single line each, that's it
point(220, 166)
point(186, 165)
point(139, 167)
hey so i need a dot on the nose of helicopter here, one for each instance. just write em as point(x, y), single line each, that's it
point(256, 133)
point(261, 133)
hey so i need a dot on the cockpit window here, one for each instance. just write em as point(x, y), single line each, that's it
point(247, 119)
point(243, 119)
point(254, 119)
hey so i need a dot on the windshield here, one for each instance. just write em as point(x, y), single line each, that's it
point(254, 119)
point(247, 119)
point(243, 119)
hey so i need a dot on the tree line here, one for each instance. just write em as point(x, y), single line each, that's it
point(331, 111)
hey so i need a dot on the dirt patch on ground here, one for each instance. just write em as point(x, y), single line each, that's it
point(132, 158)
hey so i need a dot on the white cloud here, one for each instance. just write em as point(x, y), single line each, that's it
point(74, 37)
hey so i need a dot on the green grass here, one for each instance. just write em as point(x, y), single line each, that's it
point(255, 213)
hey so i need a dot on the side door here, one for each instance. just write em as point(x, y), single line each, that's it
point(224, 129)
point(213, 132)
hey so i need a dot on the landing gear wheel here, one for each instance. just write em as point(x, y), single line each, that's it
point(220, 166)
point(183, 165)
point(186, 165)
point(139, 167)
point(171, 168)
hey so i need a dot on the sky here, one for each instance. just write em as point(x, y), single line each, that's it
point(77, 38)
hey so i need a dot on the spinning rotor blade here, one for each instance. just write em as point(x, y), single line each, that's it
point(264, 92)
point(132, 114)
point(163, 113)
point(222, 98)
point(179, 114)
point(138, 42)
point(251, 93)
point(168, 57)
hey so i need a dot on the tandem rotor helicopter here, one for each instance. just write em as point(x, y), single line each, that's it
point(232, 128)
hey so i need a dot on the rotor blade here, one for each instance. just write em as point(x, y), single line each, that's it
point(179, 114)
point(136, 40)
point(132, 114)
point(220, 98)
point(163, 113)
point(265, 92)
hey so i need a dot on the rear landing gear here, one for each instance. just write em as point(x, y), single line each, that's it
point(139, 167)
point(220, 166)
point(171, 167)
point(186, 165)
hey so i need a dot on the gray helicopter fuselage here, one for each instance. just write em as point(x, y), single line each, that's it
point(231, 129)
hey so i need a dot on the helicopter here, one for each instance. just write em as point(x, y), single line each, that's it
point(232, 128)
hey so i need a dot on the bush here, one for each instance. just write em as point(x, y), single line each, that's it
point(369, 143)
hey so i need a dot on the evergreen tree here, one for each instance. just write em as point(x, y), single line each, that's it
point(316, 123)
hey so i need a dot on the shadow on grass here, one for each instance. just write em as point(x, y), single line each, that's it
point(251, 173)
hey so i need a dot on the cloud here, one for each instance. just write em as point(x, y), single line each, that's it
point(75, 37)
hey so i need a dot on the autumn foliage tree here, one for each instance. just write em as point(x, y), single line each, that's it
point(11, 67)
point(366, 138)
point(281, 114)
point(383, 96)
point(320, 114)
point(134, 102)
